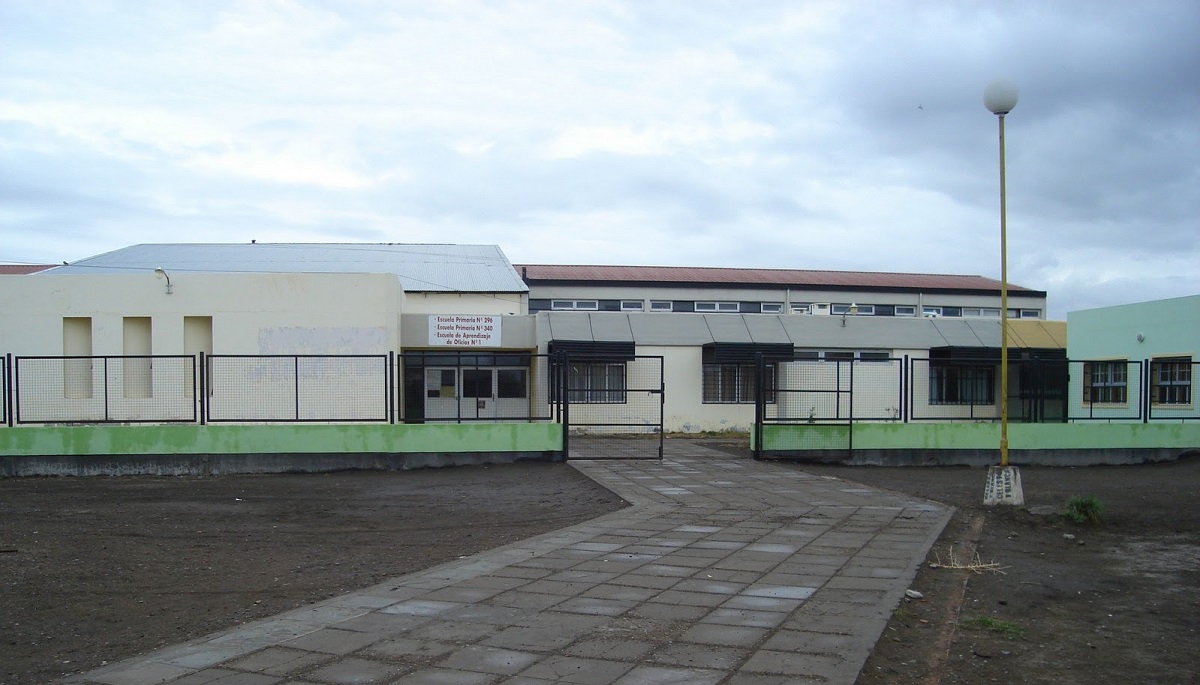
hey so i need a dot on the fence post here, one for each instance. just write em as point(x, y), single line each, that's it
point(105, 366)
point(9, 392)
point(760, 373)
point(1144, 395)
point(850, 411)
point(905, 390)
point(393, 388)
point(564, 402)
point(296, 383)
point(202, 387)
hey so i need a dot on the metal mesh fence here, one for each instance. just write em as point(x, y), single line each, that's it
point(1106, 390)
point(615, 397)
point(128, 389)
point(297, 388)
point(460, 387)
point(5, 386)
point(954, 390)
point(1040, 390)
point(1172, 389)
point(816, 391)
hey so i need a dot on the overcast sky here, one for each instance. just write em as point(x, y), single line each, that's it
point(742, 133)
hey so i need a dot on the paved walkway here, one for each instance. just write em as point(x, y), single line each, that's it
point(723, 570)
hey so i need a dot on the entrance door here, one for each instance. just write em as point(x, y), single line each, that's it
point(476, 393)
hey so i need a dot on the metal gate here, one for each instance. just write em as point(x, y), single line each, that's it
point(613, 408)
point(805, 407)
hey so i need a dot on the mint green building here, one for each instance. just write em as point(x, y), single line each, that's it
point(1135, 362)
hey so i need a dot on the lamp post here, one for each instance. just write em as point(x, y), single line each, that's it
point(1004, 482)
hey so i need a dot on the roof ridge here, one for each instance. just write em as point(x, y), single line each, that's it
point(752, 268)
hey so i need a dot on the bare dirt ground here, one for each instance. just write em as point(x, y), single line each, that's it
point(1114, 602)
point(102, 569)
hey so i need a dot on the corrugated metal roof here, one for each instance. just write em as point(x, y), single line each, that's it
point(668, 329)
point(766, 329)
point(610, 328)
point(812, 332)
point(789, 278)
point(731, 329)
point(968, 332)
point(1045, 335)
point(569, 326)
point(862, 332)
point(421, 268)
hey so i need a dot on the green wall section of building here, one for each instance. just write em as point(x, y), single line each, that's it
point(1136, 331)
point(982, 436)
point(280, 439)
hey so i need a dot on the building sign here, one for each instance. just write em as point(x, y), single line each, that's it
point(456, 330)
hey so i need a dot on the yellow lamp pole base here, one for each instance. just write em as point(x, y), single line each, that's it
point(1004, 486)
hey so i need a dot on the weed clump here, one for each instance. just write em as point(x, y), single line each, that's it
point(1006, 629)
point(1084, 509)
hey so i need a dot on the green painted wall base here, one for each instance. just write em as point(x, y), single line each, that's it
point(978, 444)
point(212, 449)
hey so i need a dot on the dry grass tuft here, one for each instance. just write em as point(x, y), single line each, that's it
point(975, 565)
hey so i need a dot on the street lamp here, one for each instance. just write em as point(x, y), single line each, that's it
point(1004, 482)
point(161, 273)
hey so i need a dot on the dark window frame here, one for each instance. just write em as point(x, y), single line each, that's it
point(1106, 382)
point(1171, 381)
point(597, 382)
point(725, 383)
point(962, 384)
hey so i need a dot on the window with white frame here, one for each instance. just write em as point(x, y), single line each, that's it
point(1031, 313)
point(772, 307)
point(632, 305)
point(905, 310)
point(931, 311)
point(800, 307)
point(1105, 382)
point(981, 312)
point(1171, 380)
point(719, 307)
point(859, 309)
point(574, 305)
point(660, 305)
point(734, 383)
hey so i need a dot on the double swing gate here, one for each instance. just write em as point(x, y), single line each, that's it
point(610, 408)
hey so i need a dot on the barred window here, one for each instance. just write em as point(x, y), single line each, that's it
point(734, 383)
point(1171, 380)
point(596, 383)
point(1105, 382)
point(962, 384)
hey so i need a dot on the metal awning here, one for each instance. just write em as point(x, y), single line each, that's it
point(593, 349)
point(747, 353)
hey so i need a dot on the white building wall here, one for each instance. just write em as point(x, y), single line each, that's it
point(684, 409)
point(467, 303)
point(251, 314)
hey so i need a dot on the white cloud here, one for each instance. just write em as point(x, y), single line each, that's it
point(819, 134)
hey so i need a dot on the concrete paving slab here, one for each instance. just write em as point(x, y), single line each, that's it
point(723, 570)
